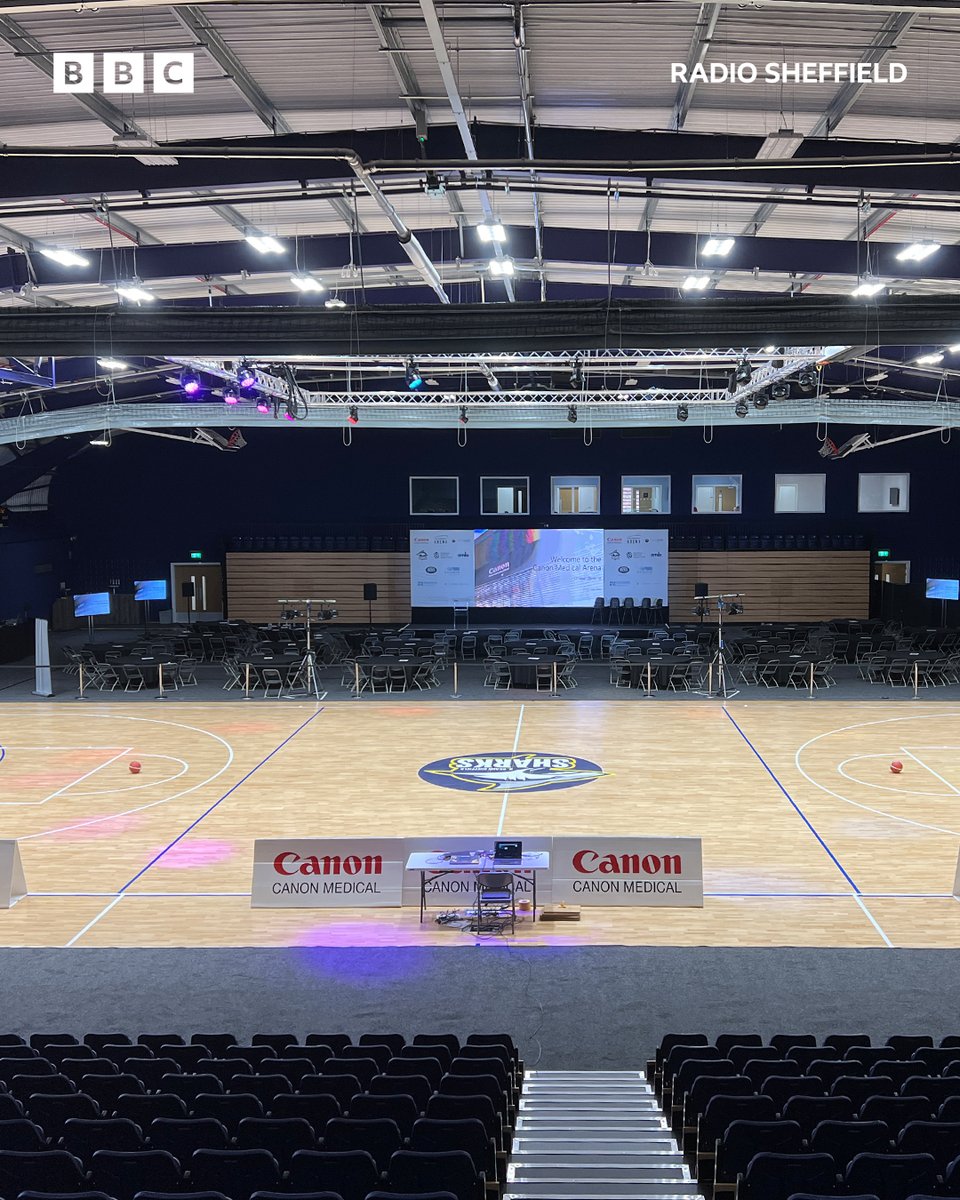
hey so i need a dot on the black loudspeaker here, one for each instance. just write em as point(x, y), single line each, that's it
point(187, 589)
point(369, 591)
point(701, 589)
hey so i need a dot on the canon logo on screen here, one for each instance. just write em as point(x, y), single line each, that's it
point(290, 863)
point(589, 862)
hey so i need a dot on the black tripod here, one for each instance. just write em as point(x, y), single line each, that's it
point(731, 603)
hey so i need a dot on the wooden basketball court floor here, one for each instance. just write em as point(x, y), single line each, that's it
point(808, 839)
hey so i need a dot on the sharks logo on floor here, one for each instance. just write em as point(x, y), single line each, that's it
point(511, 771)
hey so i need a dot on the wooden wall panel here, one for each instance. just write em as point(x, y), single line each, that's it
point(792, 585)
point(255, 582)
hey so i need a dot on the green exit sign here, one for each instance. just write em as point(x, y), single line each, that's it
point(883, 554)
point(196, 554)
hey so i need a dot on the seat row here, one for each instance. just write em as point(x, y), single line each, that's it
point(811, 1176)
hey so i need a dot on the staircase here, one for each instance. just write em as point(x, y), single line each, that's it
point(593, 1135)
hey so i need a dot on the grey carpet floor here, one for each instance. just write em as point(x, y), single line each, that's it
point(571, 1008)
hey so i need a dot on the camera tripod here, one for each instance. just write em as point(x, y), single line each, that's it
point(305, 678)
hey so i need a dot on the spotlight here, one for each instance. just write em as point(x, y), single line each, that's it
point(717, 247)
point(929, 360)
point(264, 244)
point(334, 302)
point(740, 408)
point(190, 384)
point(263, 405)
point(492, 233)
point(133, 292)
point(918, 251)
point(732, 382)
point(807, 380)
point(289, 415)
point(576, 376)
point(307, 283)
point(682, 412)
point(231, 395)
point(867, 287)
point(695, 283)
point(66, 258)
point(246, 377)
point(761, 400)
point(463, 418)
point(412, 376)
point(353, 417)
point(113, 364)
point(744, 372)
point(572, 414)
point(780, 390)
point(501, 267)
point(433, 185)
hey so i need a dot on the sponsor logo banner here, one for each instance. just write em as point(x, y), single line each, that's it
point(327, 872)
point(441, 568)
point(609, 871)
point(635, 564)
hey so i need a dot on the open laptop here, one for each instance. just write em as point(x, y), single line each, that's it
point(507, 852)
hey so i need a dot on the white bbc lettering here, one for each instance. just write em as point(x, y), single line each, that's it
point(73, 72)
point(123, 73)
point(173, 71)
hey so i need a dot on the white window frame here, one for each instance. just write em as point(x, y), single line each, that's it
point(788, 475)
point(903, 478)
point(417, 513)
point(573, 481)
point(524, 513)
point(638, 481)
point(718, 479)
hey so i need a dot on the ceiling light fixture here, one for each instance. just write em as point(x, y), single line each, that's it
point(744, 372)
point(917, 251)
point(353, 417)
point(867, 287)
point(572, 414)
point(695, 283)
point(717, 247)
point(190, 384)
point(501, 267)
point(463, 418)
point(134, 292)
point(102, 439)
point(769, 349)
point(66, 258)
point(761, 400)
point(807, 380)
point(491, 232)
point(246, 377)
point(231, 395)
point(334, 302)
point(682, 412)
point(307, 283)
point(929, 360)
point(782, 144)
point(113, 364)
point(740, 408)
point(264, 244)
point(412, 376)
point(878, 377)
point(263, 405)
point(780, 390)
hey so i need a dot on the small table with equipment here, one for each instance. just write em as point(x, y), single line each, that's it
point(477, 862)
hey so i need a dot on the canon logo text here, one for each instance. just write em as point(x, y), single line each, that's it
point(289, 863)
point(588, 862)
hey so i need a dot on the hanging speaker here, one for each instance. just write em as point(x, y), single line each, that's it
point(369, 591)
point(701, 589)
point(187, 589)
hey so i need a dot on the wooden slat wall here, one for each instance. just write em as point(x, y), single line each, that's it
point(255, 582)
point(792, 585)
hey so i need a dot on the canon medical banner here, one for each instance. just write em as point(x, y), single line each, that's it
point(635, 564)
point(441, 568)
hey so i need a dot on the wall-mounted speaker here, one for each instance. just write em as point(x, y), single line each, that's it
point(369, 591)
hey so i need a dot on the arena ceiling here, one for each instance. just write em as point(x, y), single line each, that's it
point(369, 142)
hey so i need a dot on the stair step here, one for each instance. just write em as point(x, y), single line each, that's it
point(637, 1076)
point(611, 1172)
point(590, 1158)
point(598, 1190)
point(610, 1143)
point(584, 1129)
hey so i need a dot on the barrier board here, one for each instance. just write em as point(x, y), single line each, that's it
point(608, 871)
point(13, 884)
point(327, 872)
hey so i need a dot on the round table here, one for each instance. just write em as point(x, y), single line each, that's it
point(523, 668)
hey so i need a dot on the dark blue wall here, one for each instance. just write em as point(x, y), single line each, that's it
point(34, 560)
point(134, 508)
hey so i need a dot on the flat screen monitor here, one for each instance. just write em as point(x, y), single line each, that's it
point(150, 589)
point(91, 604)
point(943, 589)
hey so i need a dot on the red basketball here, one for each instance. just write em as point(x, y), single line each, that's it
point(896, 766)
point(134, 768)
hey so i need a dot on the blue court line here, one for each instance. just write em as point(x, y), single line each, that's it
point(799, 811)
point(3, 754)
point(216, 803)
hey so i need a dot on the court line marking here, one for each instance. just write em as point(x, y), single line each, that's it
point(885, 787)
point(802, 815)
point(90, 924)
point(856, 803)
point(153, 803)
point(516, 745)
point(80, 778)
point(134, 787)
point(873, 920)
point(709, 895)
point(927, 767)
point(217, 803)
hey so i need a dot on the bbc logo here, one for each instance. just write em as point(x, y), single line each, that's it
point(123, 72)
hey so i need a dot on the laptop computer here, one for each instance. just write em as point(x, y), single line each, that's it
point(507, 852)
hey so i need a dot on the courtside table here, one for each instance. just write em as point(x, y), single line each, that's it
point(437, 864)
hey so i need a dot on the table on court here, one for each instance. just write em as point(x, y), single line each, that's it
point(437, 864)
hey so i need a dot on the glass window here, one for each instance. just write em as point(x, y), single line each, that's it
point(434, 494)
point(800, 494)
point(504, 495)
point(716, 493)
point(574, 494)
point(645, 493)
point(884, 493)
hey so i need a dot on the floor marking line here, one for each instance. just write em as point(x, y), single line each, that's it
point(873, 920)
point(799, 811)
point(92, 771)
point(90, 924)
point(927, 767)
point(516, 746)
point(217, 803)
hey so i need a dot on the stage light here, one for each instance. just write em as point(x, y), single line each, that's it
point(740, 408)
point(307, 283)
point(353, 417)
point(867, 287)
point(717, 247)
point(682, 412)
point(412, 376)
point(492, 232)
point(744, 372)
point(263, 405)
point(133, 292)
point(761, 400)
point(246, 377)
point(190, 384)
point(576, 375)
point(113, 364)
point(732, 382)
point(501, 267)
point(264, 244)
point(807, 380)
point(780, 390)
point(917, 251)
point(289, 415)
point(334, 302)
point(231, 395)
point(695, 283)
point(572, 414)
point(928, 360)
point(463, 418)
point(66, 258)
